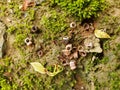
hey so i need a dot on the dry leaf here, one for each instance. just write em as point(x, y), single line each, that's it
point(27, 3)
point(101, 34)
point(38, 67)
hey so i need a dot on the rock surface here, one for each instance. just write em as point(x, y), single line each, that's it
point(92, 44)
point(2, 39)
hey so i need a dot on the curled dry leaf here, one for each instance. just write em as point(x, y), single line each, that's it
point(27, 3)
point(101, 34)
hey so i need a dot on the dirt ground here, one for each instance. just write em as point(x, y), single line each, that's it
point(94, 71)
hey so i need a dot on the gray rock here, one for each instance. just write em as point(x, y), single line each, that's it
point(2, 39)
point(92, 44)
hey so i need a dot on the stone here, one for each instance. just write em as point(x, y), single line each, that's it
point(92, 44)
point(2, 39)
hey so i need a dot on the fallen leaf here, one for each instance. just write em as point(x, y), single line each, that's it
point(57, 70)
point(38, 67)
point(27, 3)
point(8, 75)
point(101, 34)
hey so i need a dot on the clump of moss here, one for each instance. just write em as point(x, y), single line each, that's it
point(20, 31)
point(114, 81)
point(5, 76)
point(81, 9)
point(19, 40)
point(54, 24)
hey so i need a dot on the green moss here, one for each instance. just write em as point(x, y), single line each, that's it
point(81, 9)
point(65, 80)
point(2, 10)
point(116, 50)
point(4, 85)
point(114, 81)
point(118, 46)
point(11, 29)
point(104, 60)
point(106, 45)
point(20, 31)
point(19, 40)
point(54, 24)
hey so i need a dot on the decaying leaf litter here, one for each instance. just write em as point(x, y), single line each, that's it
point(71, 51)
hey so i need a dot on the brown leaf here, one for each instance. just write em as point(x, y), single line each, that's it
point(27, 4)
point(8, 75)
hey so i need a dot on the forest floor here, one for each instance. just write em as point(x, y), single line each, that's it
point(94, 71)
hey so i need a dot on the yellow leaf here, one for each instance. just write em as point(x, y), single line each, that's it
point(101, 34)
point(38, 67)
point(51, 74)
point(41, 69)
point(57, 70)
